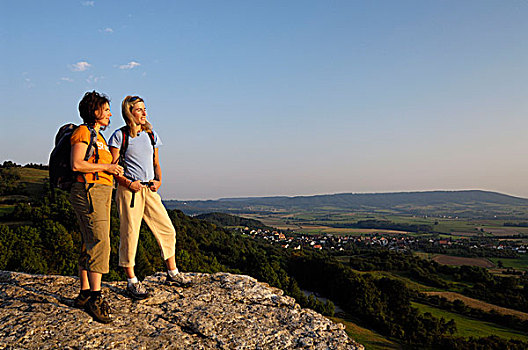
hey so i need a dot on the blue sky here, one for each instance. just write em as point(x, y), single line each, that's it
point(255, 98)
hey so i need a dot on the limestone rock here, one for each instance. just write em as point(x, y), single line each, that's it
point(218, 311)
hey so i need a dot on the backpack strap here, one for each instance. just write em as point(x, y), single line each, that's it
point(125, 132)
point(151, 136)
point(92, 150)
point(153, 143)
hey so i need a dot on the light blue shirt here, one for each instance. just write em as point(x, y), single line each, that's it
point(139, 156)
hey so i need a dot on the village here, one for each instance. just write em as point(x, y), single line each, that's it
point(479, 246)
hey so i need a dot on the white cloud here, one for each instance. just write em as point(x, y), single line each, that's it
point(130, 65)
point(69, 80)
point(88, 3)
point(92, 79)
point(80, 66)
point(108, 30)
point(27, 81)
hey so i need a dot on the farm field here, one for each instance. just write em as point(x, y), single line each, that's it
point(477, 304)
point(321, 222)
point(318, 230)
point(520, 263)
point(469, 327)
point(316, 227)
point(505, 231)
point(459, 261)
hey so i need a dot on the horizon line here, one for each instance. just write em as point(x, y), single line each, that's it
point(340, 193)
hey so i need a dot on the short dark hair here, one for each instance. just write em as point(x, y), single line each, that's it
point(92, 101)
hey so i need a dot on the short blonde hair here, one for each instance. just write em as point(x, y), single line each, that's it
point(126, 111)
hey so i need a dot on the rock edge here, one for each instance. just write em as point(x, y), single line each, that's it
point(218, 311)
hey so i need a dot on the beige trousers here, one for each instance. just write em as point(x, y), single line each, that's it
point(94, 225)
point(147, 206)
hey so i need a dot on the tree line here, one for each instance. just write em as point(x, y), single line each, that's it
point(222, 219)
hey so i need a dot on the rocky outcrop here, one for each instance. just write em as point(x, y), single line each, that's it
point(218, 311)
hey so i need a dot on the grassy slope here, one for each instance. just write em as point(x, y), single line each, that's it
point(477, 304)
point(31, 181)
point(467, 326)
point(370, 339)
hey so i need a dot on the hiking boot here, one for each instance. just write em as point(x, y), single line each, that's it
point(81, 300)
point(179, 280)
point(137, 291)
point(99, 309)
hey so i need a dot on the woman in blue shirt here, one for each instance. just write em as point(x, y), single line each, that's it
point(136, 147)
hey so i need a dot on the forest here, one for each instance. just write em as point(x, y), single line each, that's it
point(41, 236)
point(222, 219)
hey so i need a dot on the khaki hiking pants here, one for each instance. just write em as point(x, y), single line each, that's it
point(147, 206)
point(94, 225)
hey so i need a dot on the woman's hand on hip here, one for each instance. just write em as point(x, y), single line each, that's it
point(136, 186)
point(154, 185)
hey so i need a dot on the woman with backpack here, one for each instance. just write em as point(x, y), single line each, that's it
point(136, 147)
point(91, 197)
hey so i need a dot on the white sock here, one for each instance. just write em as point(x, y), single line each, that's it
point(132, 280)
point(174, 272)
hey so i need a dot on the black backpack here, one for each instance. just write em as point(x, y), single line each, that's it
point(61, 174)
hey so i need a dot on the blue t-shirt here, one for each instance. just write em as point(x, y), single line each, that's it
point(139, 156)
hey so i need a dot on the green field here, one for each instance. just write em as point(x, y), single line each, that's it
point(33, 179)
point(30, 186)
point(467, 326)
point(520, 263)
point(319, 222)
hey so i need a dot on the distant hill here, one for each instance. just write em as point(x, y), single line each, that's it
point(222, 219)
point(468, 203)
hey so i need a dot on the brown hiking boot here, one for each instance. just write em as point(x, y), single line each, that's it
point(81, 301)
point(99, 309)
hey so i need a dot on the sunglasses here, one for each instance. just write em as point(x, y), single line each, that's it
point(134, 98)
